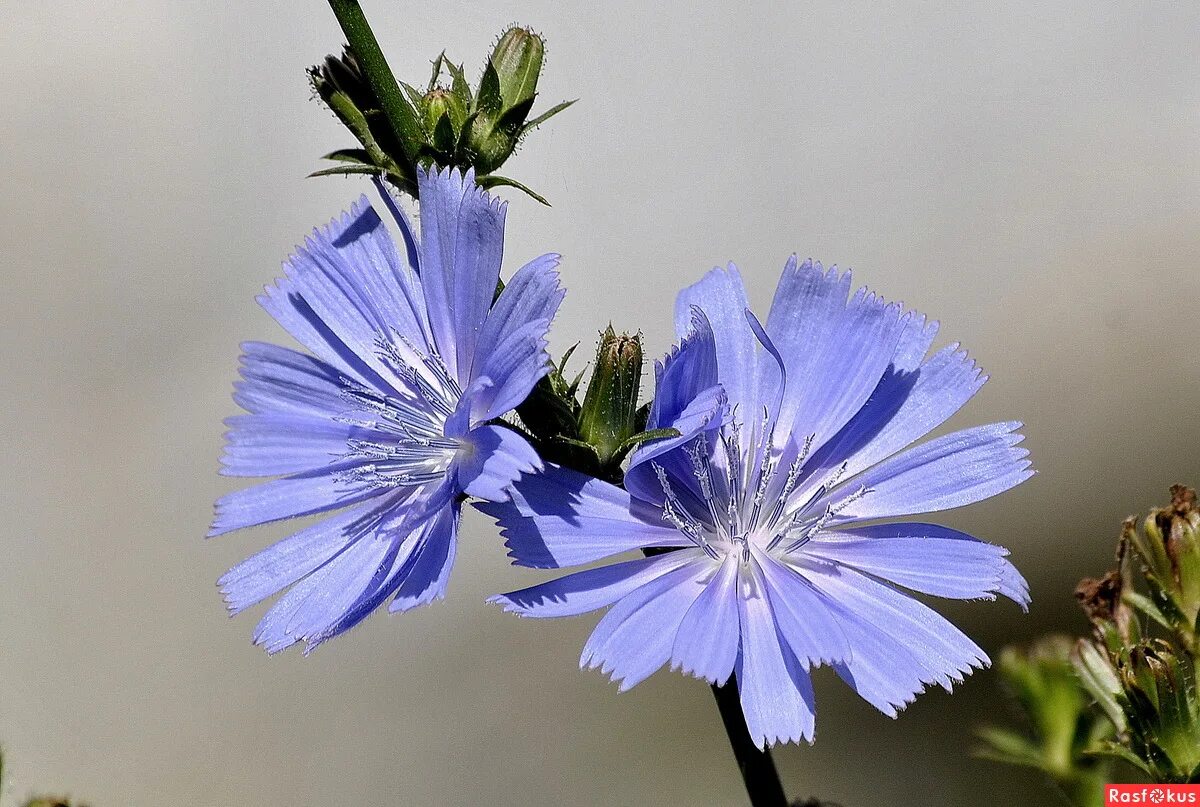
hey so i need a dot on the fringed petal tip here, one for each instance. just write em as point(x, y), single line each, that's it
point(451, 180)
point(765, 743)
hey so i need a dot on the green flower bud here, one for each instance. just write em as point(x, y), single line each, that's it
point(609, 415)
point(1163, 710)
point(440, 102)
point(517, 60)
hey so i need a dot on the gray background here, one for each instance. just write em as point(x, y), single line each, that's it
point(1027, 173)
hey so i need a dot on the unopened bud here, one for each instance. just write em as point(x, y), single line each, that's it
point(609, 414)
point(517, 59)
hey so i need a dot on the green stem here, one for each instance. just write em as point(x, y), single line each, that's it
point(392, 102)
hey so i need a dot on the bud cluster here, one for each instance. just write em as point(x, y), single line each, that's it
point(448, 124)
point(597, 435)
point(1128, 692)
point(1140, 666)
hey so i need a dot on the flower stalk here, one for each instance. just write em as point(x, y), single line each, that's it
point(375, 68)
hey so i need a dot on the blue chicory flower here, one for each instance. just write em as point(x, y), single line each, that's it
point(793, 450)
point(389, 420)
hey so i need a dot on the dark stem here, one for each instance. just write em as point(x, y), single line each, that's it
point(392, 102)
point(757, 767)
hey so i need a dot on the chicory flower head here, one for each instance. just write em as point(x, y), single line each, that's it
point(388, 420)
point(794, 448)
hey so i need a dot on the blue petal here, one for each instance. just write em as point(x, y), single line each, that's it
point(278, 444)
point(634, 639)
point(951, 471)
point(898, 645)
point(510, 372)
point(907, 405)
point(301, 494)
point(924, 557)
point(279, 379)
point(588, 590)
point(494, 457)
point(706, 644)
point(283, 563)
point(345, 289)
point(808, 302)
point(406, 229)
point(384, 559)
point(808, 622)
point(462, 244)
point(687, 371)
point(425, 580)
point(531, 297)
point(834, 352)
point(721, 295)
point(703, 415)
point(776, 693)
point(687, 398)
point(564, 518)
point(317, 607)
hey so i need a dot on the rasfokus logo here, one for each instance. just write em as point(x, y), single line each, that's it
point(1151, 794)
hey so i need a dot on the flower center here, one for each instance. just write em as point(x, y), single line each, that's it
point(744, 498)
point(400, 440)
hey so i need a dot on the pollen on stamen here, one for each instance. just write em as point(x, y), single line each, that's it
point(677, 514)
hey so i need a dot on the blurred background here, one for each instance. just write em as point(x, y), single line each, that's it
point(1027, 173)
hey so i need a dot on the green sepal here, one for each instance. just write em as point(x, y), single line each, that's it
point(606, 419)
point(458, 84)
point(547, 115)
point(495, 180)
point(414, 95)
point(511, 122)
point(488, 99)
point(436, 72)
point(346, 170)
point(517, 59)
point(444, 136)
point(648, 437)
point(349, 156)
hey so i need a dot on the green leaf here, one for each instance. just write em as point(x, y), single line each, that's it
point(547, 115)
point(494, 180)
point(1116, 751)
